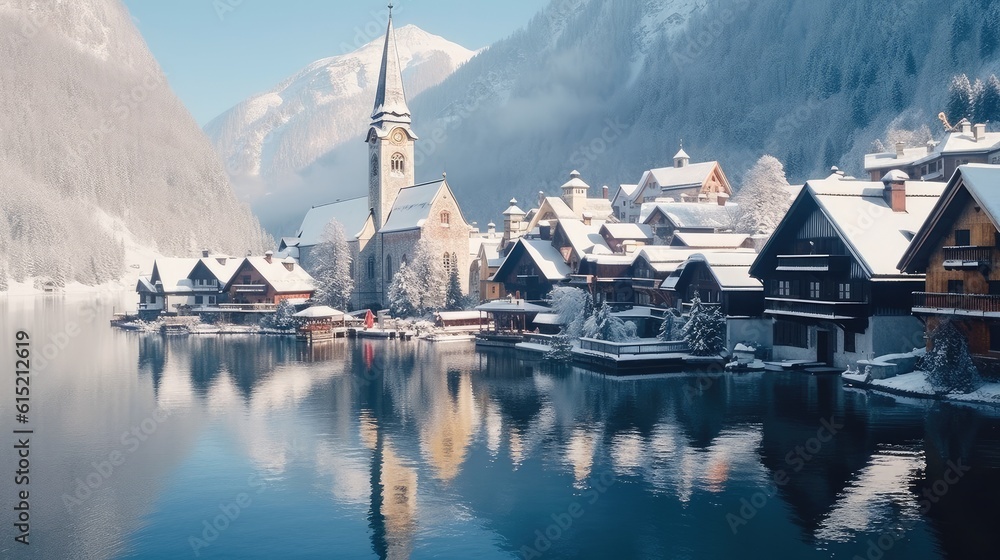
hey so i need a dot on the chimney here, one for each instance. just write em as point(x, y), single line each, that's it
point(289, 264)
point(587, 217)
point(722, 198)
point(966, 126)
point(204, 253)
point(604, 191)
point(979, 132)
point(491, 230)
point(895, 190)
point(541, 198)
point(267, 256)
point(900, 148)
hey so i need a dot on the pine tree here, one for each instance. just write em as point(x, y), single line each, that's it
point(561, 349)
point(949, 364)
point(455, 300)
point(602, 325)
point(960, 101)
point(671, 329)
point(428, 268)
point(705, 331)
point(571, 305)
point(404, 293)
point(281, 318)
point(332, 269)
point(763, 199)
point(988, 102)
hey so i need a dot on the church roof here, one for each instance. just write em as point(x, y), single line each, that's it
point(412, 206)
point(390, 98)
point(351, 213)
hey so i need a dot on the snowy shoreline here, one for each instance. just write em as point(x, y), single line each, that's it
point(915, 384)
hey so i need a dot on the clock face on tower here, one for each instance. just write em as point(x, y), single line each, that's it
point(397, 136)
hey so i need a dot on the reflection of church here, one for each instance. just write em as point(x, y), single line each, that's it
point(383, 230)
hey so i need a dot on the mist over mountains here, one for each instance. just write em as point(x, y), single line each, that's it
point(98, 158)
point(612, 87)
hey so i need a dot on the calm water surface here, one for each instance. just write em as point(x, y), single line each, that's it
point(244, 447)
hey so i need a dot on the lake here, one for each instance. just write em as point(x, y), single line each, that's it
point(259, 447)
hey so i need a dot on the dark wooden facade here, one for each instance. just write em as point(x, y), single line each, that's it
point(696, 278)
point(522, 277)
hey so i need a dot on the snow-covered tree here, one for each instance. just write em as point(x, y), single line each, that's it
point(405, 293)
point(573, 306)
point(281, 318)
point(961, 101)
point(988, 101)
point(455, 300)
point(562, 347)
point(332, 268)
point(705, 331)
point(763, 199)
point(949, 364)
point(672, 328)
point(428, 267)
point(602, 325)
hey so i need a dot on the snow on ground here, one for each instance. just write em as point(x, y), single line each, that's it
point(916, 384)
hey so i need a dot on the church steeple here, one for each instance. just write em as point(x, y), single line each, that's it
point(390, 99)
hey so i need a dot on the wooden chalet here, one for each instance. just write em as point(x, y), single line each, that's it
point(667, 218)
point(530, 270)
point(956, 248)
point(717, 277)
point(829, 270)
point(264, 281)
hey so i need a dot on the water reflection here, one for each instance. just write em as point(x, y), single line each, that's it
point(393, 449)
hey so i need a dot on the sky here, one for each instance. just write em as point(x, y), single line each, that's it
point(217, 53)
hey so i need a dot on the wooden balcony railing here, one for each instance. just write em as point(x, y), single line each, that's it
point(250, 288)
point(967, 257)
point(927, 303)
point(816, 308)
point(814, 263)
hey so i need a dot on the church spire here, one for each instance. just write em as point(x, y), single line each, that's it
point(390, 99)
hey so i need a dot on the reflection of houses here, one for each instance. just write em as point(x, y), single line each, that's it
point(685, 182)
point(829, 271)
point(968, 143)
point(267, 280)
point(957, 247)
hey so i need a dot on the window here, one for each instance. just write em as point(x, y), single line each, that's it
point(996, 239)
point(198, 300)
point(850, 341)
point(844, 291)
point(388, 268)
point(454, 262)
point(784, 288)
point(994, 338)
point(994, 288)
point(788, 333)
point(397, 163)
point(962, 238)
point(956, 287)
point(404, 259)
point(445, 218)
point(814, 290)
point(371, 267)
point(446, 260)
point(211, 300)
point(246, 279)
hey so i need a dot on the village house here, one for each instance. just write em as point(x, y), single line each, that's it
point(383, 229)
point(956, 248)
point(486, 262)
point(962, 144)
point(184, 284)
point(626, 237)
point(685, 182)
point(266, 281)
point(531, 268)
point(829, 270)
point(667, 218)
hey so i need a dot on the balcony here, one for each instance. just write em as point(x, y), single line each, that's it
point(967, 258)
point(581, 279)
point(814, 263)
point(816, 309)
point(250, 288)
point(973, 305)
point(213, 287)
point(651, 283)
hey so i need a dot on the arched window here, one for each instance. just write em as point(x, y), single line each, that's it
point(454, 262)
point(404, 260)
point(397, 163)
point(371, 267)
point(447, 262)
point(445, 218)
point(388, 268)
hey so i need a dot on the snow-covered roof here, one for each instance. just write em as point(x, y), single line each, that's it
point(144, 285)
point(547, 319)
point(223, 267)
point(669, 178)
point(412, 206)
point(883, 160)
point(583, 238)
point(512, 305)
point(732, 268)
point(172, 273)
point(681, 154)
point(351, 213)
point(878, 235)
point(611, 260)
point(692, 214)
point(320, 312)
point(458, 315)
point(662, 258)
point(624, 191)
point(598, 208)
point(953, 143)
point(513, 209)
point(711, 240)
point(490, 248)
point(547, 259)
point(575, 182)
point(628, 231)
point(280, 278)
point(390, 98)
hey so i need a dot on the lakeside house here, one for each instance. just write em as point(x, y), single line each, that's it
point(958, 248)
point(266, 281)
point(829, 269)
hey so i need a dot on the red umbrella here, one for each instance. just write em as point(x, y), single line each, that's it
point(369, 319)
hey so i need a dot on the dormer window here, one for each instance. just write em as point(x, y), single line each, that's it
point(397, 164)
point(445, 218)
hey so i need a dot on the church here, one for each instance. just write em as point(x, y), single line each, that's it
point(384, 228)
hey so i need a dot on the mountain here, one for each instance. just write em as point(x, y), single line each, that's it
point(612, 87)
point(269, 137)
point(98, 158)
